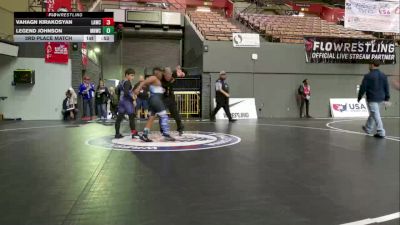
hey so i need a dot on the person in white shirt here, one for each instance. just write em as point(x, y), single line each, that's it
point(74, 97)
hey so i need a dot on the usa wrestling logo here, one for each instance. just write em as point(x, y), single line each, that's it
point(340, 107)
point(189, 141)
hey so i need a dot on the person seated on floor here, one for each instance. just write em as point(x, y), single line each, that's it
point(69, 111)
point(74, 97)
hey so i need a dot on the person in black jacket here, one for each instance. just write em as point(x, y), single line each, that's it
point(222, 97)
point(375, 85)
point(168, 82)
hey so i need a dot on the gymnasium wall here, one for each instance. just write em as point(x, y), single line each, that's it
point(139, 53)
point(93, 69)
point(52, 80)
point(15, 5)
point(42, 101)
point(192, 47)
point(274, 78)
point(112, 65)
point(193, 57)
point(7, 27)
point(7, 9)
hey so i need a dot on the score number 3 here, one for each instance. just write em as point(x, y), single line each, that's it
point(108, 22)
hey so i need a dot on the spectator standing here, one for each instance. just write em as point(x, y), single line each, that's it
point(179, 72)
point(304, 92)
point(102, 96)
point(86, 90)
point(142, 99)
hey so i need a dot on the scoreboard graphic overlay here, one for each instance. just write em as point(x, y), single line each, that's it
point(64, 27)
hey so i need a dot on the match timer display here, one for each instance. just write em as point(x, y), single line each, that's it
point(64, 27)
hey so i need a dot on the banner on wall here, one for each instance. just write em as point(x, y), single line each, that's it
point(58, 6)
point(346, 50)
point(367, 15)
point(84, 54)
point(348, 107)
point(241, 109)
point(57, 52)
point(246, 40)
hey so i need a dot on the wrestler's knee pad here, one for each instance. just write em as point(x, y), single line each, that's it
point(164, 123)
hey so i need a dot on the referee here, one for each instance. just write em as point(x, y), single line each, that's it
point(168, 82)
point(222, 97)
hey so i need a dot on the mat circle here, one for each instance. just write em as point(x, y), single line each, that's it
point(189, 141)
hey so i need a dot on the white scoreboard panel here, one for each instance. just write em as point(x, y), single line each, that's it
point(63, 38)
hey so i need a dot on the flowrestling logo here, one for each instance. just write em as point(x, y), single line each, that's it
point(189, 141)
point(346, 50)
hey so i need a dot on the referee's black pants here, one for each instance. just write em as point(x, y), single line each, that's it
point(225, 106)
point(171, 105)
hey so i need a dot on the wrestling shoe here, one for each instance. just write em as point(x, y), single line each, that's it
point(168, 137)
point(379, 136)
point(118, 136)
point(135, 134)
point(180, 130)
point(145, 138)
point(365, 130)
